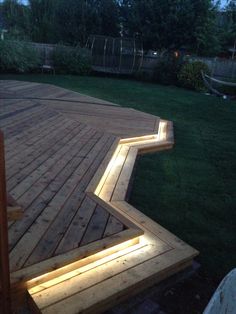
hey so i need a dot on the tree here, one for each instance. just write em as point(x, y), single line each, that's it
point(108, 12)
point(42, 20)
point(228, 25)
point(169, 24)
point(15, 16)
point(76, 20)
point(206, 35)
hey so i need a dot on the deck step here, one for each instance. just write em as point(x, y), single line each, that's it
point(111, 280)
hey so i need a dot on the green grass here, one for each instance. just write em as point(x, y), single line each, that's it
point(190, 190)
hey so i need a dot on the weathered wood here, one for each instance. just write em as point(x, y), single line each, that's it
point(107, 282)
point(96, 226)
point(71, 259)
point(113, 226)
point(122, 183)
point(110, 183)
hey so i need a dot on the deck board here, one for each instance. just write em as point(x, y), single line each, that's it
point(50, 161)
point(69, 160)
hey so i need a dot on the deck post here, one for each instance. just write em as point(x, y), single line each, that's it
point(5, 299)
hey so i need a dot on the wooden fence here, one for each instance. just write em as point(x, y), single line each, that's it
point(45, 52)
point(5, 301)
point(218, 67)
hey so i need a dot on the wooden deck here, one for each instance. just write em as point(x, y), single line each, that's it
point(69, 160)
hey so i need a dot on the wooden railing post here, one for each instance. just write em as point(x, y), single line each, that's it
point(5, 301)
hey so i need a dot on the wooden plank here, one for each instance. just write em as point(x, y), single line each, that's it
point(150, 148)
point(24, 123)
point(122, 184)
point(110, 183)
point(12, 131)
point(137, 140)
point(127, 266)
point(21, 116)
point(96, 226)
point(30, 136)
point(22, 85)
point(50, 240)
point(42, 123)
point(100, 183)
point(113, 226)
point(92, 108)
point(77, 227)
point(102, 168)
point(26, 244)
point(112, 291)
point(40, 195)
point(10, 106)
point(72, 259)
point(32, 152)
point(112, 209)
point(6, 84)
point(43, 162)
point(147, 224)
point(4, 257)
point(47, 245)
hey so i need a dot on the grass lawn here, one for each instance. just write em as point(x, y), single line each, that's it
point(190, 190)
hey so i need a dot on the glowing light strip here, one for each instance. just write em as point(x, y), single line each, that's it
point(81, 263)
point(116, 160)
point(85, 268)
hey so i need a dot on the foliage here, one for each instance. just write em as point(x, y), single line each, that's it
point(71, 60)
point(167, 70)
point(14, 16)
point(17, 56)
point(190, 75)
point(169, 24)
point(162, 24)
point(227, 25)
point(42, 20)
point(207, 40)
point(76, 20)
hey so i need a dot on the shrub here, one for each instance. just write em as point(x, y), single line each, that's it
point(18, 56)
point(167, 70)
point(190, 75)
point(141, 75)
point(70, 60)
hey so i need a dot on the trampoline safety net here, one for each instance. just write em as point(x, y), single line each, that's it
point(115, 55)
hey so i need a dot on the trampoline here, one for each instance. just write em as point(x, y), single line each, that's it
point(115, 55)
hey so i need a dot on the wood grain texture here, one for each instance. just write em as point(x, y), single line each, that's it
point(69, 162)
point(51, 161)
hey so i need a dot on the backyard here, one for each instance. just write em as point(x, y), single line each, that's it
point(189, 190)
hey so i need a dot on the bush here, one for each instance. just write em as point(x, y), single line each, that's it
point(18, 56)
point(68, 60)
point(167, 70)
point(190, 75)
point(145, 76)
